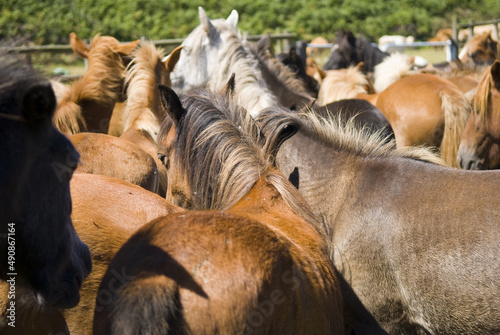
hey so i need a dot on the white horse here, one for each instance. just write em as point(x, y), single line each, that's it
point(211, 53)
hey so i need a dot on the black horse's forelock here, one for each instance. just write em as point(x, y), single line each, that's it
point(16, 77)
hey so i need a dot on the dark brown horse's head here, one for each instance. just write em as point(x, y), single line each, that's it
point(40, 249)
point(350, 50)
point(480, 49)
point(479, 148)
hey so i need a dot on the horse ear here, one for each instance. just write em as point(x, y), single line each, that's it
point(172, 59)
point(78, 46)
point(127, 48)
point(321, 73)
point(205, 21)
point(294, 56)
point(232, 19)
point(231, 83)
point(264, 42)
point(39, 102)
point(495, 73)
point(282, 134)
point(171, 103)
point(359, 66)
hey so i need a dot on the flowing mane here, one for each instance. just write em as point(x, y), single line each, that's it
point(342, 84)
point(143, 100)
point(281, 71)
point(104, 78)
point(481, 98)
point(222, 152)
point(342, 136)
point(392, 68)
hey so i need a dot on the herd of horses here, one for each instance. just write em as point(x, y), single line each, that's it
point(223, 189)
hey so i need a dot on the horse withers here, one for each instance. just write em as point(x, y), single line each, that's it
point(40, 249)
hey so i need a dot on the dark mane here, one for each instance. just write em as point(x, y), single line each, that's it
point(278, 69)
point(350, 50)
point(341, 135)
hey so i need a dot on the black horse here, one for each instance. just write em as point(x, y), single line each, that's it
point(350, 50)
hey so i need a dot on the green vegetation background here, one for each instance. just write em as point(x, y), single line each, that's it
point(50, 22)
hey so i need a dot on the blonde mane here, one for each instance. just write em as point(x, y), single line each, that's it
point(342, 84)
point(392, 68)
point(102, 83)
point(481, 98)
point(143, 74)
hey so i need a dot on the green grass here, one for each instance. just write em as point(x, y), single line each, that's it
point(431, 54)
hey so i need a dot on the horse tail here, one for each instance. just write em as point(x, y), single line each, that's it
point(148, 305)
point(456, 111)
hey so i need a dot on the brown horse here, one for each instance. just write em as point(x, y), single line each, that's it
point(88, 104)
point(41, 251)
point(143, 113)
point(480, 146)
point(480, 49)
point(106, 212)
point(115, 157)
point(423, 109)
point(416, 243)
point(252, 266)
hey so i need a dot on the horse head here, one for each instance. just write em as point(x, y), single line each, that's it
point(41, 249)
point(480, 49)
point(480, 146)
point(199, 59)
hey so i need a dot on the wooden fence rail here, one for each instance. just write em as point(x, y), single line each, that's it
point(282, 41)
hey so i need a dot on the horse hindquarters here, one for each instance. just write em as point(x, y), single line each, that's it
point(215, 273)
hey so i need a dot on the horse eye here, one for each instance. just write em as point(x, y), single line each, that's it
point(164, 159)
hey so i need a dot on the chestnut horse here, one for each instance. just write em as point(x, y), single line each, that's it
point(106, 212)
point(252, 264)
point(143, 113)
point(416, 243)
point(88, 104)
point(480, 49)
point(423, 109)
point(115, 157)
point(41, 251)
point(480, 146)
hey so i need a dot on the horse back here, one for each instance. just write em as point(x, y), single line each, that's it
point(204, 272)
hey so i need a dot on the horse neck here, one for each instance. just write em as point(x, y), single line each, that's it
point(252, 91)
point(142, 111)
point(266, 204)
point(287, 94)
